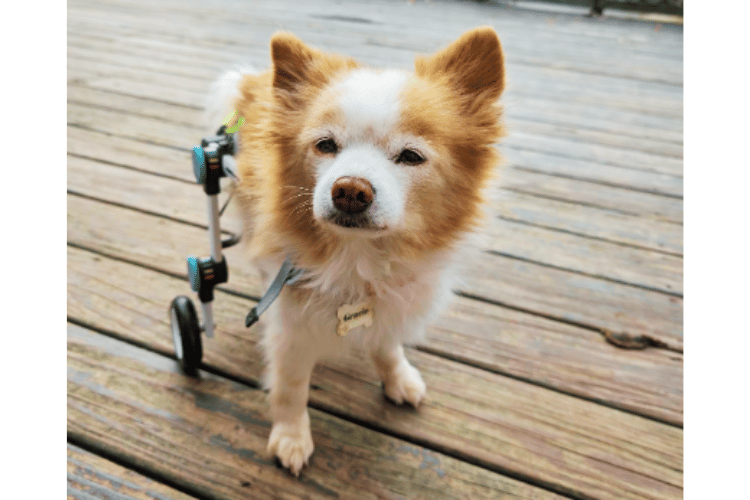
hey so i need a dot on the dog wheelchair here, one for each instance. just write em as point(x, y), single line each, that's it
point(212, 160)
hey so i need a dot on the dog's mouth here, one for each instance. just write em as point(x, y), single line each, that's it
point(353, 222)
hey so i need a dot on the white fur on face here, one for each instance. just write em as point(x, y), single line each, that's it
point(371, 100)
point(389, 182)
point(371, 105)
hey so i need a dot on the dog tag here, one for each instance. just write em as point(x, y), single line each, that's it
point(353, 316)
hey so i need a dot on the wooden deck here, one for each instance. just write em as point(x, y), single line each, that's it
point(526, 398)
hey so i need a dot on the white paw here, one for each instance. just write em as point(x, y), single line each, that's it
point(404, 384)
point(292, 443)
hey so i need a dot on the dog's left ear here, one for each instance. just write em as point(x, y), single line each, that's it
point(300, 70)
point(473, 66)
point(292, 60)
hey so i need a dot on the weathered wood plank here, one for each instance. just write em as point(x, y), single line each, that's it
point(650, 182)
point(577, 298)
point(633, 266)
point(656, 147)
point(581, 447)
point(91, 476)
point(627, 201)
point(575, 148)
point(590, 221)
point(551, 353)
point(208, 435)
point(637, 125)
point(566, 295)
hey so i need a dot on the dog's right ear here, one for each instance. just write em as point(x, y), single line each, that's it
point(292, 60)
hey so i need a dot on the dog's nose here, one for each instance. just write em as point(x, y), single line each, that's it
point(352, 194)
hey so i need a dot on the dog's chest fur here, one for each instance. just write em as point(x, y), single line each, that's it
point(403, 295)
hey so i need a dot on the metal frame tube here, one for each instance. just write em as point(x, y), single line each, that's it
point(214, 231)
point(208, 319)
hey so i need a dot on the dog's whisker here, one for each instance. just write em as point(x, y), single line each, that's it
point(298, 211)
point(298, 195)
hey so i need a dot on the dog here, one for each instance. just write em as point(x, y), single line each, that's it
point(369, 181)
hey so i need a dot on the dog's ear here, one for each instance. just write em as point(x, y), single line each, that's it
point(292, 60)
point(299, 69)
point(473, 66)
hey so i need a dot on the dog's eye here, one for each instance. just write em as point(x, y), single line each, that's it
point(327, 146)
point(410, 157)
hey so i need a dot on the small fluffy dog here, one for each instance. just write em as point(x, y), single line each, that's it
point(368, 180)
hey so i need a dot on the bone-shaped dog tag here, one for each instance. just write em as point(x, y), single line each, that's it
point(353, 316)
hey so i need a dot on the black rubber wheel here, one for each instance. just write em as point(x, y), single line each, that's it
point(186, 334)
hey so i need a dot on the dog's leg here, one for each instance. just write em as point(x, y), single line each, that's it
point(290, 368)
point(401, 381)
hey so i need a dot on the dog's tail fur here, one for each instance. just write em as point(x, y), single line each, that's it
point(223, 95)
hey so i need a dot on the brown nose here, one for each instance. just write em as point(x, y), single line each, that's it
point(352, 194)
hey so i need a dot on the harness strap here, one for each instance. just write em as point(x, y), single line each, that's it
point(287, 275)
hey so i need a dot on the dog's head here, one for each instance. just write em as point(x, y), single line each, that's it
point(385, 155)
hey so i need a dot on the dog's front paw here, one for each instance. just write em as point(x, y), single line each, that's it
point(404, 384)
point(292, 443)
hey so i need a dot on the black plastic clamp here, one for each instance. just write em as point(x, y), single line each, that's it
point(207, 159)
point(205, 274)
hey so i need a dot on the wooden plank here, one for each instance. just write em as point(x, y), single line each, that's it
point(590, 221)
point(91, 476)
point(544, 108)
point(566, 295)
point(582, 134)
point(550, 353)
point(208, 435)
point(575, 446)
point(555, 355)
point(575, 148)
point(627, 201)
point(632, 266)
point(649, 182)
point(577, 299)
